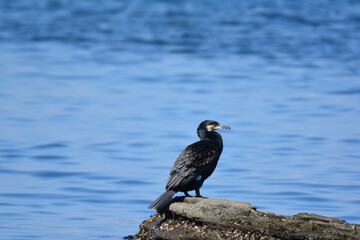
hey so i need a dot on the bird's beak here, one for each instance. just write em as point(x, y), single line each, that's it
point(221, 127)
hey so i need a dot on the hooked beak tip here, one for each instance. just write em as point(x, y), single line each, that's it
point(223, 127)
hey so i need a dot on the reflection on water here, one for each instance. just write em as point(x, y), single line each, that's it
point(98, 100)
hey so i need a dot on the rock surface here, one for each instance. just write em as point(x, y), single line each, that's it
point(202, 218)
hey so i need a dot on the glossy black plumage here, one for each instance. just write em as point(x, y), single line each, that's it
point(194, 165)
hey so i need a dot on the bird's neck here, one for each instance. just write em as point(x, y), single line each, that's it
point(212, 136)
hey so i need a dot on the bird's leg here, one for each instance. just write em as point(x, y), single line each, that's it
point(187, 194)
point(198, 192)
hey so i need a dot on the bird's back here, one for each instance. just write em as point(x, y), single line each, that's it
point(196, 163)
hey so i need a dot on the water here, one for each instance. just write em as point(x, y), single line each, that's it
point(98, 99)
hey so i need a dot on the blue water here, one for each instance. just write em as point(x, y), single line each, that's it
point(99, 98)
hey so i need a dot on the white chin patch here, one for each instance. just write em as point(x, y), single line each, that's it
point(209, 128)
point(198, 178)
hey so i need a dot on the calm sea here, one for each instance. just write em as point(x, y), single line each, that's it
point(98, 98)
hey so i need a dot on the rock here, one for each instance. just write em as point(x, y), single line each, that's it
point(204, 218)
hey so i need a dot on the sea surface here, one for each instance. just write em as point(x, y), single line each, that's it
point(98, 98)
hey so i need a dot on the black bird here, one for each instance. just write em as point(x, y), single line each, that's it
point(194, 165)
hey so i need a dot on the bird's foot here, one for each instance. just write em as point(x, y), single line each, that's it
point(187, 195)
point(197, 191)
point(199, 196)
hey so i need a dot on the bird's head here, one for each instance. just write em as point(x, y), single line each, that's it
point(211, 125)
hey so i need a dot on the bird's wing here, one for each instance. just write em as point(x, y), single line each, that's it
point(195, 160)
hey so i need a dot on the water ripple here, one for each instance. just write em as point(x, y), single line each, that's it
point(352, 91)
point(351, 140)
point(57, 174)
point(314, 199)
point(45, 173)
point(286, 194)
point(12, 156)
point(48, 196)
point(133, 182)
point(348, 187)
point(88, 190)
point(50, 146)
point(49, 157)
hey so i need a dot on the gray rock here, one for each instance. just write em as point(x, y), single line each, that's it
point(202, 218)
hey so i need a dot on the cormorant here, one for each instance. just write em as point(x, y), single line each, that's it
point(194, 165)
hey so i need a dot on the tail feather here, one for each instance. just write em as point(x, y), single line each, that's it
point(163, 201)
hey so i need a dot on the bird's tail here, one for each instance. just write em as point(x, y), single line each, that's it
point(163, 201)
